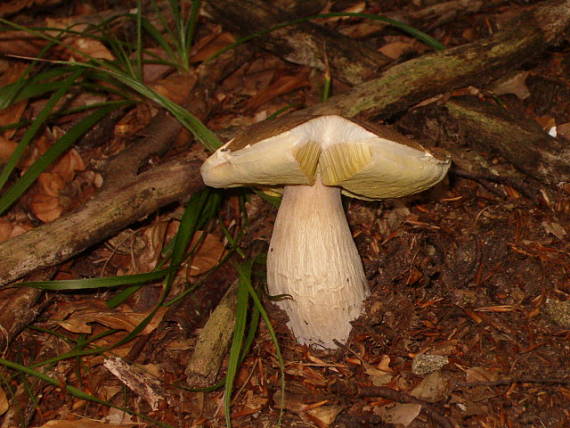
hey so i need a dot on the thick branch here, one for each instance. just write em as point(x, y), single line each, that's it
point(519, 140)
point(307, 44)
point(477, 63)
point(101, 218)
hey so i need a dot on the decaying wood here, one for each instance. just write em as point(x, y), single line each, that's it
point(142, 383)
point(126, 195)
point(19, 307)
point(306, 43)
point(102, 217)
point(213, 342)
point(488, 127)
point(477, 63)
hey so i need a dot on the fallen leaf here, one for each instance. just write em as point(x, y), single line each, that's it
point(397, 413)
point(91, 48)
point(84, 423)
point(555, 229)
point(209, 253)
point(481, 374)
point(281, 86)
point(323, 416)
point(513, 85)
point(432, 388)
point(46, 207)
point(4, 405)
point(209, 45)
point(395, 50)
point(5, 229)
point(7, 147)
point(68, 165)
point(378, 377)
point(176, 86)
point(79, 321)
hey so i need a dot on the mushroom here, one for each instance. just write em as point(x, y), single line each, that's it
point(312, 257)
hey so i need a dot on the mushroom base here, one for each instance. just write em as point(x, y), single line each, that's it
point(312, 258)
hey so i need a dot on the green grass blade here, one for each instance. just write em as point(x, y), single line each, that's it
point(238, 338)
point(155, 34)
point(189, 29)
point(92, 283)
point(61, 145)
point(201, 208)
point(33, 129)
point(76, 392)
point(257, 304)
point(191, 122)
point(414, 32)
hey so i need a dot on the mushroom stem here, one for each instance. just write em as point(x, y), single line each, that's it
point(312, 257)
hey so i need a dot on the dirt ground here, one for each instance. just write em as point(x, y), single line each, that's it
point(468, 320)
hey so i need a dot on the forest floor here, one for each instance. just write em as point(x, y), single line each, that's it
point(468, 319)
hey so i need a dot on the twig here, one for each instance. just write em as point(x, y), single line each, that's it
point(387, 393)
point(502, 382)
point(392, 395)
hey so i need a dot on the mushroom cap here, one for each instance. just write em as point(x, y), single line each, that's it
point(365, 160)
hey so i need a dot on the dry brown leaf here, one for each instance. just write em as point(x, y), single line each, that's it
point(378, 377)
point(154, 239)
point(11, 7)
point(79, 322)
point(564, 130)
point(84, 423)
point(395, 50)
point(384, 364)
point(68, 165)
point(50, 183)
point(434, 387)
point(176, 87)
point(13, 113)
point(283, 85)
point(4, 404)
point(208, 255)
point(481, 374)
point(397, 413)
point(5, 229)
point(209, 45)
point(513, 85)
point(91, 48)
point(45, 207)
point(7, 147)
point(20, 44)
point(151, 70)
point(323, 416)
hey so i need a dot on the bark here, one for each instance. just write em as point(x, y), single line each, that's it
point(306, 43)
point(101, 218)
point(404, 85)
point(127, 196)
point(213, 342)
point(488, 127)
point(477, 63)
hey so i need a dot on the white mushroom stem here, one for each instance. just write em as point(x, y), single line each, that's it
point(312, 258)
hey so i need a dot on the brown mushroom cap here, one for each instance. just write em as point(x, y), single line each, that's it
point(366, 161)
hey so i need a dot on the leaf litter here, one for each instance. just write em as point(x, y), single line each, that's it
point(479, 280)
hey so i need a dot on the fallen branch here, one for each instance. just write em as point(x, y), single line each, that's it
point(101, 218)
point(305, 43)
point(351, 390)
point(213, 342)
